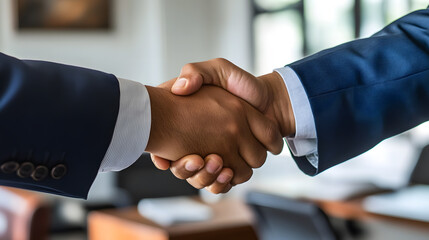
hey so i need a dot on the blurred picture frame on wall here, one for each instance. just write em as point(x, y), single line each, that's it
point(63, 14)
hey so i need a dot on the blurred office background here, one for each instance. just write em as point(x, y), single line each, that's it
point(150, 40)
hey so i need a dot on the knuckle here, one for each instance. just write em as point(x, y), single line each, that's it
point(178, 173)
point(244, 177)
point(248, 176)
point(215, 158)
point(272, 135)
point(202, 180)
point(213, 189)
point(194, 184)
point(236, 105)
point(235, 121)
point(220, 60)
point(260, 160)
point(205, 182)
point(233, 129)
point(226, 189)
point(190, 67)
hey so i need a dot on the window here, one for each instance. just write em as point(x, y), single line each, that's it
point(287, 30)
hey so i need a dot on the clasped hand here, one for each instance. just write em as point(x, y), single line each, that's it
point(212, 138)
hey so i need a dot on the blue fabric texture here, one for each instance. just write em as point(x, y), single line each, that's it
point(54, 114)
point(367, 90)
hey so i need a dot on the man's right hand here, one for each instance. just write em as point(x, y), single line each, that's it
point(267, 93)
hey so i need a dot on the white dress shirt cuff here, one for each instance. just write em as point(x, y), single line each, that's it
point(132, 128)
point(304, 143)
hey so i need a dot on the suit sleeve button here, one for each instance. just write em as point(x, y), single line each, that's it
point(25, 170)
point(59, 171)
point(9, 167)
point(40, 173)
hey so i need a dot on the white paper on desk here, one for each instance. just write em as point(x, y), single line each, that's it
point(166, 211)
point(299, 187)
point(411, 202)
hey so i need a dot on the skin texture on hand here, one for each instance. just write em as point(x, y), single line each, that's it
point(211, 121)
point(267, 93)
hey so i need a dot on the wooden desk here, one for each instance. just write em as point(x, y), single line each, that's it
point(353, 209)
point(28, 214)
point(232, 220)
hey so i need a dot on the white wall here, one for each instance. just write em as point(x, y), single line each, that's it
point(123, 51)
point(150, 41)
point(201, 30)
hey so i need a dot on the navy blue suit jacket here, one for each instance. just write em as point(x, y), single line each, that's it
point(367, 90)
point(57, 119)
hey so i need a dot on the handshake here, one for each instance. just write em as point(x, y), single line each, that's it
point(215, 123)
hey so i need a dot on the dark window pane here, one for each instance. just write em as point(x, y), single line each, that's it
point(274, 4)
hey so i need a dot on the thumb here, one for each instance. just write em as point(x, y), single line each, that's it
point(222, 73)
point(187, 83)
point(159, 162)
point(194, 75)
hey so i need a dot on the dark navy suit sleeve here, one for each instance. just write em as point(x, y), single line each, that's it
point(56, 123)
point(367, 90)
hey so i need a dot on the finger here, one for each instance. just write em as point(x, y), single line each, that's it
point(159, 162)
point(264, 130)
point(227, 188)
point(242, 171)
point(222, 183)
point(215, 189)
point(251, 150)
point(187, 166)
point(207, 175)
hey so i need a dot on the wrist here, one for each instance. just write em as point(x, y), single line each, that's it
point(161, 109)
point(281, 104)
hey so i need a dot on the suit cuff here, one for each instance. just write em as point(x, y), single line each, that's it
point(132, 127)
point(304, 143)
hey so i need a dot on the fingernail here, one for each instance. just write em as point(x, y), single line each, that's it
point(180, 83)
point(191, 166)
point(223, 178)
point(212, 167)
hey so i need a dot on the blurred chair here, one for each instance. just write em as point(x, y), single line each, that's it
point(144, 180)
point(24, 215)
point(280, 218)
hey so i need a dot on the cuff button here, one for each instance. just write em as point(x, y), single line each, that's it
point(9, 167)
point(25, 170)
point(40, 173)
point(58, 171)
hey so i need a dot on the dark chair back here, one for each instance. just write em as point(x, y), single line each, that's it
point(144, 180)
point(420, 173)
point(281, 218)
